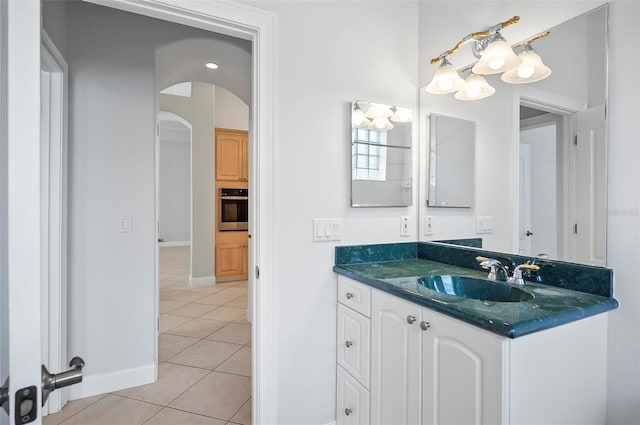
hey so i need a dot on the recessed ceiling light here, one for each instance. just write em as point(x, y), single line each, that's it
point(211, 65)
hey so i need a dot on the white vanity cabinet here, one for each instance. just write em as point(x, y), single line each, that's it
point(429, 368)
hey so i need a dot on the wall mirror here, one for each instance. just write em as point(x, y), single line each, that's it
point(381, 160)
point(451, 162)
point(541, 193)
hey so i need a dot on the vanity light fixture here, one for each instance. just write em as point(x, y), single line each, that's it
point(446, 79)
point(530, 70)
point(378, 110)
point(380, 124)
point(358, 119)
point(211, 65)
point(401, 115)
point(476, 87)
point(495, 56)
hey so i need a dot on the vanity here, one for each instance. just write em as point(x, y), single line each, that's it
point(413, 353)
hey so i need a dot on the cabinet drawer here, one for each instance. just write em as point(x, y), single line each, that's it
point(352, 402)
point(355, 295)
point(353, 343)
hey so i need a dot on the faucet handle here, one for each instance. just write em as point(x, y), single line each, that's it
point(517, 273)
point(491, 264)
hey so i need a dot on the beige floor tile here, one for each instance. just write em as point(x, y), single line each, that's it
point(234, 291)
point(166, 305)
point(219, 395)
point(173, 380)
point(205, 354)
point(240, 302)
point(243, 416)
point(234, 333)
point(71, 409)
point(209, 289)
point(187, 296)
point(225, 314)
point(168, 416)
point(242, 319)
point(216, 299)
point(192, 310)
point(170, 345)
point(168, 322)
point(169, 293)
point(114, 410)
point(197, 328)
point(239, 363)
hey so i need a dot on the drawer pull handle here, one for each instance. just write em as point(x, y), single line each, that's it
point(348, 344)
point(411, 319)
point(349, 295)
point(347, 411)
point(425, 325)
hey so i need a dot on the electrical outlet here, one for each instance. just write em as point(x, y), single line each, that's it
point(404, 225)
point(428, 225)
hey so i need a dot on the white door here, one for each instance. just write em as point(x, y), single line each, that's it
point(590, 184)
point(24, 220)
point(21, 142)
point(524, 206)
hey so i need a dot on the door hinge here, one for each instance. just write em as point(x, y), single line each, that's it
point(575, 140)
point(575, 228)
point(257, 272)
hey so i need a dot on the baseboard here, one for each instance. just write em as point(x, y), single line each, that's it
point(178, 243)
point(202, 281)
point(113, 381)
point(231, 278)
point(331, 423)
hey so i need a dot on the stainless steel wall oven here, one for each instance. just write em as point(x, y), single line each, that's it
point(234, 209)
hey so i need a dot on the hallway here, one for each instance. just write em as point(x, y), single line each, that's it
point(204, 360)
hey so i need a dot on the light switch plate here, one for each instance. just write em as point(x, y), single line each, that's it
point(404, 226)
point(428, 225)
point(484, 224)
point(327, 229)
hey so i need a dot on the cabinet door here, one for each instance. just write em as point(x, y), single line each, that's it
point(352, 402)
point(245, 259)
point(395, 360)
point(462, 372)
point(230, 149)
point(354, 343)
point(245, 158)
point(229, 259)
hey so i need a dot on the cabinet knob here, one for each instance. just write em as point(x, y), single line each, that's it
point(349, 295)
point(347, 411)
point(425, 325)
point(411, 319)
point(348, 344)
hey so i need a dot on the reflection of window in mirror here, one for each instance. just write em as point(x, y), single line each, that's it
point(370, 157)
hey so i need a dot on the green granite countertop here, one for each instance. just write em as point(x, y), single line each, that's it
point(551, 306)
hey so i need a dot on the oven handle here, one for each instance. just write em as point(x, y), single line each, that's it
point(235, 198)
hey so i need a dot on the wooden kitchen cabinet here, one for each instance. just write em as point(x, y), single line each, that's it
point(232, 155)
point(231, 259)
point(429, 368)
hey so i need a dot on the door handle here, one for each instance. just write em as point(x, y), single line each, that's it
point(529, 233)
point(54, 381)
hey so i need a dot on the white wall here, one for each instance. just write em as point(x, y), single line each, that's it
point(231, 112)
point(174, 183)
point(623, 220)
point(199, 110)
point(328, 55)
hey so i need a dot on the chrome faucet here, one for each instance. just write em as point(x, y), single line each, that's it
point(517, 279)
point(496, 266)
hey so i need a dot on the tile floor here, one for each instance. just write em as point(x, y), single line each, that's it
point(204, 354)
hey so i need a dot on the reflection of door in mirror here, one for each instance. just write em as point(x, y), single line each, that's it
point(540, 212)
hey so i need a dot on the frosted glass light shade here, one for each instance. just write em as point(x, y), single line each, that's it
point(530, 70)
point(378, 110)
point(497, 57)
point(401, 115)
point(476, 87)
point(358, 119)
point(380, 124)
point(446, 80)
